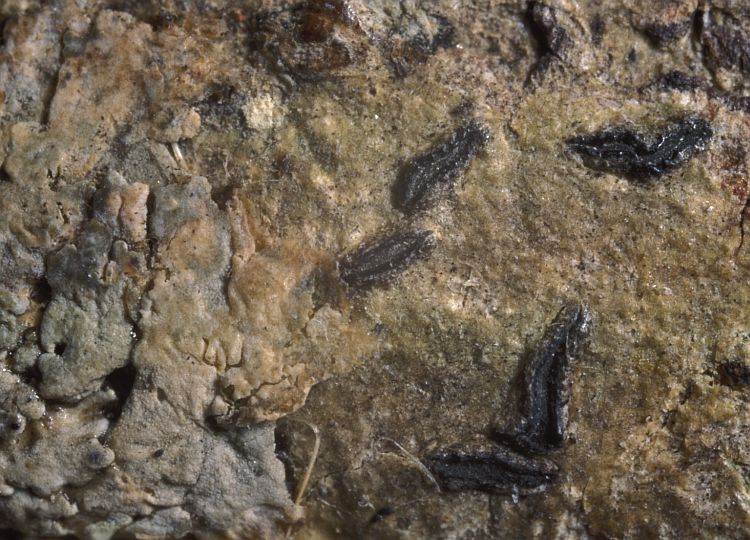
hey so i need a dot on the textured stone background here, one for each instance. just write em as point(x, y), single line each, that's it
point(180, 178)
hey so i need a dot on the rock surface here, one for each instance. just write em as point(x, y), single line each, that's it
point(207, 261)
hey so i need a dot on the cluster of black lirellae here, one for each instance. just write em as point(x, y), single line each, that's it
point(418, 182)
point(617, 150)
point(515, 462)
point(510, 464)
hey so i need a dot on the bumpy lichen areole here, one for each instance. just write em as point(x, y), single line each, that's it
point(223, 222)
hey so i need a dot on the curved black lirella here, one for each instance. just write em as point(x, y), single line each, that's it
point(637, 156)
point(439, 166)
point(542, 427)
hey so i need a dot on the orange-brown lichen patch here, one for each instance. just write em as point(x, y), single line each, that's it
point(290, 340)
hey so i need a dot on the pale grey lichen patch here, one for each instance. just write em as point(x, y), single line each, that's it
point(241, 488)
point(107, 528)
point(229, 481)
point(158, 466)
point(19, 404)
point(162, 524)
point(39, 516)
point(84, 339)
point(69, 453)
point(10, 330)
point(166, 454)
point(87, 332)
point(112, 283)
point(20, 270)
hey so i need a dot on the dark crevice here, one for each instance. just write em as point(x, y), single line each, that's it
point(221, 109)
point(41, 292)
point(421, 47)
point(222, 195)
point(538, 33)
point(744, 213)
point(53, 87)
point(675, 80)
point(30, 335)
point(226, 282)
point(446, 35)
point(31, 377)
point(4, 176)
point(734, 374)
point(151, 241)
point(598, 27)
point(697, 25)
point(89, 202)
point(548, 37)
point(3, 41)
point(380, 514)
point(121, 381)
point(724, 41)
point(284, 452)
point(136, 331)
point(661, 34)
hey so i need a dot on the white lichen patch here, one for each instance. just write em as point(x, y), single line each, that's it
point(262, 112)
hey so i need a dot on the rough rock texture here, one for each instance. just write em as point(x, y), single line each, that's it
point(205, 252)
